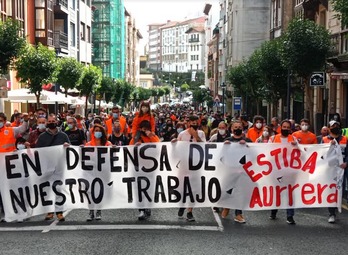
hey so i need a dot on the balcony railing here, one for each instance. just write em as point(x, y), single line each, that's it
point(60, 40)
point(191, 40)
point(62, 2)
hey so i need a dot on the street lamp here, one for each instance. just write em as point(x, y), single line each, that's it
point(223, 86)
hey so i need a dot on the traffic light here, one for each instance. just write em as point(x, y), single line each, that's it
point(317, 79)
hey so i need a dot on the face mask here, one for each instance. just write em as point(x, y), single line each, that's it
point(144, 109)
point(222, 131)
point(20, 146)
point(1, 124)
point(265, 133)
point(41, 126)
point(204, 123)
point(258, 125)
point(285, 132)
point(115, 115)
point(195, 127)
point(180, 130)
point(51, 125)
point(21, 120)
point(98, 134)
point(42, 116)
point(31, 118)
point(143, 133)
point(90, 118)
point(70, 126)
point(335, 130)
point(117, 130)
point(237, 132)
point(304, 127)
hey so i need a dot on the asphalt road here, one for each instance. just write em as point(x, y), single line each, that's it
point(120, 232)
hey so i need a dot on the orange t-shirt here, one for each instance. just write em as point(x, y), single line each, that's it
point(138, 119)
point(146, 139)
point(305, 138)
point(254, 133)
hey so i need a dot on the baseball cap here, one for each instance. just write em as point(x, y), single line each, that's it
point(333, 122)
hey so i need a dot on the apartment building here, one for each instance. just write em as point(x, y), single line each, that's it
point(154, 45)
point(133, 36)
point(176, 45)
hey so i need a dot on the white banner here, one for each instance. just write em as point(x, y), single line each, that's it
point(164, 175)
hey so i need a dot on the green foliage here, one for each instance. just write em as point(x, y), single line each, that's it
point(184, 87)
point(106, 89)
point(305, 47)
point(11, 43)
point(201, 95)
point(161, 92)
point(123, 92)
point(70, 73)
point(141, 94)
point(341, 7)
point(36, 66)
point(166, 90)
point(91, 79)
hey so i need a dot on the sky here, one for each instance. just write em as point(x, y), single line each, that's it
point(146, 12)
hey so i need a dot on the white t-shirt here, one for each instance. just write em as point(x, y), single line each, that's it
point(185, 136)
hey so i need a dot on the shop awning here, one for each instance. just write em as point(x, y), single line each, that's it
point(339, 76)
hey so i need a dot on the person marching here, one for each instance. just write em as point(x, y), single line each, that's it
point(256, 130)
point(335, 137)
point(99, 139)
point(143, 114)
point(146, 136)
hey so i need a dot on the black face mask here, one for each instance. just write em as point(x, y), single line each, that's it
point(51, 125)
point(195, 127)
point(285, 132)
point(143, 133)
point(204, 123)
point(237, 132)
point(335, 130)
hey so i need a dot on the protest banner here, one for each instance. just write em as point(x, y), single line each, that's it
point(166, 175)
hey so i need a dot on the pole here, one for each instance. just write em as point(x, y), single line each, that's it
point(55, 103)
point(223, 101)
point(288, 95)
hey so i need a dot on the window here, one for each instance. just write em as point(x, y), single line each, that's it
point(82, 31)
point(40, 19)
point(88, 34)
point(72, 34)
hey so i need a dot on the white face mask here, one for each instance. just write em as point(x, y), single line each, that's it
point(222, 131)
point(258, 125)
point(41, 126)
point(265, 133)
point(20, 146)
point(304, 127)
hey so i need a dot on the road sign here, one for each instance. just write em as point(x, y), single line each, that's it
point(317, 79)
point(237, 103)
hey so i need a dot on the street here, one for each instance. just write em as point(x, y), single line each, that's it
point(120, 232)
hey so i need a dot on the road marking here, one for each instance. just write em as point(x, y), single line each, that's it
point(56, 227)
point(54, 223)
point(218, 220)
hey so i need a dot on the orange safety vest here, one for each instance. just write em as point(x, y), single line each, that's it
point(276, 138)
point(343, 140)
point(123, 123)
point(7, 140)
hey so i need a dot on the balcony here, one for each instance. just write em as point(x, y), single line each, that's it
point(192, 40)
point(60, 40)
point(61, 7)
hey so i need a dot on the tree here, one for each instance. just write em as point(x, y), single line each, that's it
point(305, 49)
point(69, 74)
point(341, 7)
point(184, 87)
point(36, 66)
point(201, 95)
point(91, 78)
point(105, 90)
point(11, 43)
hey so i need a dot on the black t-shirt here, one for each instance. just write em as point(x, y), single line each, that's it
point(118, 140)
point(76, 137)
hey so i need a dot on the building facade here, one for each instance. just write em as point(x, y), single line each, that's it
point(154, 44)
point(108, 36)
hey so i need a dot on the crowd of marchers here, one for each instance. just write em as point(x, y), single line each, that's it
point(163, 124)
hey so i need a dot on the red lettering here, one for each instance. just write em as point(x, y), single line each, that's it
point(290, 193)
point(255, 198)
point(332, 198)
point(320, 192)
point(279, 190)
point(262, 163)
point(286, 164)
point(269, 195)
point(295, 157)
point(310, 163)
point(307, 189)
point(276, 153)
point(251, 173)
